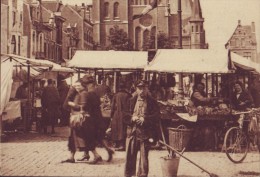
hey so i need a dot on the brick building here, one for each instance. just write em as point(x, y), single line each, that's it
point(77, 33)
point(107, 13)
point(44, 31)
point(243, 41)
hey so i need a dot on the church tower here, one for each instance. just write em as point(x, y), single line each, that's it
point(196, 27)
point(107, 14)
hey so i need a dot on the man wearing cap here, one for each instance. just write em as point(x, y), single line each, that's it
point(144, 117)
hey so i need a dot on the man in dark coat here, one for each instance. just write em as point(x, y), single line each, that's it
point(63, 89)
point(241, 100)
point(119, 108)
point(255, 91)
point(144, 117)
point(50, 101)
point(22, 91)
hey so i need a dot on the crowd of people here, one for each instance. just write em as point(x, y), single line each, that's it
point(133, 121)
point(134, 115)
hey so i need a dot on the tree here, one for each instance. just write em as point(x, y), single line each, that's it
point(119, 40)
point(164, 42)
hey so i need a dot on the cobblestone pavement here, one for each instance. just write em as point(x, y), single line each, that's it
point(33, 154)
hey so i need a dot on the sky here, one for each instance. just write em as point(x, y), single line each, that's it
point(221, 18)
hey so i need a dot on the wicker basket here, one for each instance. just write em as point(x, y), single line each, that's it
point(179, 137)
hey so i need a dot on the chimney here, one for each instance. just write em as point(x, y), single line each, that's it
point(253, 27)
point(239, 22)
point(76, 7)
point(83, 11)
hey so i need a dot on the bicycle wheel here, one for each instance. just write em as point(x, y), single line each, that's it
point(236, 143)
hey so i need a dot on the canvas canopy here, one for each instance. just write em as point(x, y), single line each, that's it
point(37, 66)
point(196, 61)
point(6, 83)
point(124, 60)
point(244, 63)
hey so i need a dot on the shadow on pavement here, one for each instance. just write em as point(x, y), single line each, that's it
point(61, 134)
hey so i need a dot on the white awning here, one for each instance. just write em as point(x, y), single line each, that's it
point(124, 60)
point(197, 61)
point(37, 64)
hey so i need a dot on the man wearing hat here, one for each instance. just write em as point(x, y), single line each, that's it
point(144, 117)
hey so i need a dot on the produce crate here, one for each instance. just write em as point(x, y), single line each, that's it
point(179, 137)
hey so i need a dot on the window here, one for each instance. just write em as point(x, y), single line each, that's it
point(106, 12)
point(21, 17)
point(137, 38)
point(243, 42)
point(19, 45)
point(116, 5)
point(13, 44)
point(146, 39)
point(197, 28)
point(192, 28)
point(247, 55)
point(14, 18)
point(33, 42)
point(201, 28)
point(153, 40)
point(40, 43)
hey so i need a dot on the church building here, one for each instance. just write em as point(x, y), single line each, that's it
point(162, 19)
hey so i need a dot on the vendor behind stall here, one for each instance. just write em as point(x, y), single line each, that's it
point(241, 99)
point(198, 96)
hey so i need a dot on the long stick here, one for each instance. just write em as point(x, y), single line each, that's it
point(163, 137)
point(184, 157)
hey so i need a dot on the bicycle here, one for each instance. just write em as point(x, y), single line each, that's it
point(238, 138)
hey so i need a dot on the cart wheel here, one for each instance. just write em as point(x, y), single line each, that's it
point(236, 144)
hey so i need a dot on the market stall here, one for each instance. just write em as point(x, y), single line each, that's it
point(109, 68)
point(24, 73)
point(211, 67)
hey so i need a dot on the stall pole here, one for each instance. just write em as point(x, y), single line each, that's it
point(207, 84)
point(115, 78)
point(217, 82)
point(28, 109)
point(78, 73)
point(212, 85)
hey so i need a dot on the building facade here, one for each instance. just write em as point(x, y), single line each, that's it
point(163, 19)
point(43, 28)
point(243, 41)
point(77, 33)
point(12, 27)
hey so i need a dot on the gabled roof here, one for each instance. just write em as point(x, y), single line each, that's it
point(248, 31)
point(50, 5)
